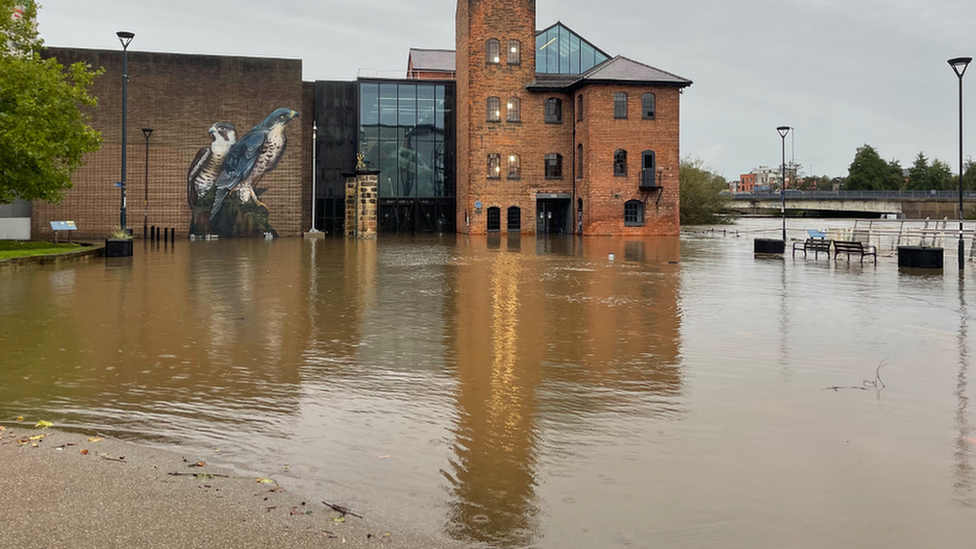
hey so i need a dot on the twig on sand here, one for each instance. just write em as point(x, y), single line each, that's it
point(340, 509)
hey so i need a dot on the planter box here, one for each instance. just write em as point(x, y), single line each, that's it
point(117, 247)
point(918, 257)
point(769, 246)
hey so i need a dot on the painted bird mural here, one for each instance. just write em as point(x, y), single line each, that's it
point(206, 167)
point(254, 155)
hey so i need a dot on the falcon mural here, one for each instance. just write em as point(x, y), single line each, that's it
point(209, 161)
point(221, 181)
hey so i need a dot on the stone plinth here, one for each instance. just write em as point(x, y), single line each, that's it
point(362, 201)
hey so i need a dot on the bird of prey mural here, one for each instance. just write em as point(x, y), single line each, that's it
point(254, 155)
point(209, 161)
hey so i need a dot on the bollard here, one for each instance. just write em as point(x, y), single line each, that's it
point(172, 235)
point(166, 235)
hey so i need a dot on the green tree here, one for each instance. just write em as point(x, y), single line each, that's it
point(969, 176)
point(869, 172)
point(941, 177)
point(918, 174)
point(702, 200)
point(43, 133)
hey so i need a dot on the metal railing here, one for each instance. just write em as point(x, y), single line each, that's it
point(793, 194)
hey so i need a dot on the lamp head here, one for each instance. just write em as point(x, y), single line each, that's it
point(959, 65)
point(147, 132)
point(125, 37)
point(783, 130)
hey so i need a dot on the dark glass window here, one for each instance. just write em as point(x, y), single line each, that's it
point(554, 110)
point(648, 166)
point(579, 107)
point(494, 107)
point(494, 219)
point(579, 161)
point(647, 106)
point(493, 51)
point(494, 166)
point(514, 109)
point(514, 166)
point(514, 219)
point(620, 163)
point(620, 105)
point(554, 166)
point(633, 213)
point(514, 52)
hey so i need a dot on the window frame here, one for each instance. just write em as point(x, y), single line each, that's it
point(494, 213)
point(517, 226)
point(554, 110)
point(635, 210)
point(553, 166)
point(493, 109)
point(653, 109)
point(514, 106)
point(579, 161)
point(493, 46)
point(645, 170)
point(620, 163)
point(620, 107)
point(579, 108)
point(514, 166)
point(494, 166)
point(516, 54)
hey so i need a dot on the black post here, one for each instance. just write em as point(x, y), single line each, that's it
point(145, 216)
point(125, 38)
point(959, 65)
point(783, 131)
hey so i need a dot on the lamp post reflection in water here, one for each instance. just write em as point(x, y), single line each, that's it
point(964, 470)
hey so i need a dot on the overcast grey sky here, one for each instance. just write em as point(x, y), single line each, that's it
point(842, 72)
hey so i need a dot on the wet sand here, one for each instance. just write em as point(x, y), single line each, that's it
point(120, 494)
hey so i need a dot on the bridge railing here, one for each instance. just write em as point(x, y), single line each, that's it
point(855, 195)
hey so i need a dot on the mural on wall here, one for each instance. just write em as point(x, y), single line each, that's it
point(222, 180)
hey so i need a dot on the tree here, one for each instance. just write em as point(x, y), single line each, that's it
point(918, 174)
point(969, 176)
point(43, 133)
point(941, 177)
point(702, 201)
point(868, 172)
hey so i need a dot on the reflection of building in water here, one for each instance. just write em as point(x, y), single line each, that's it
point(533, 339)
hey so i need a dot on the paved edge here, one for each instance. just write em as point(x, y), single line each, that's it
point(91, 250)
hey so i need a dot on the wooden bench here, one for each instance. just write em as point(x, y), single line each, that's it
point(854, 247)
point(815, 245)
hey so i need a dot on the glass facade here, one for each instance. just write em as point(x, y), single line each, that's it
point(561, 51)
point(405, 133)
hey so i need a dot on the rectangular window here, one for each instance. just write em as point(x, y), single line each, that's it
point(493, 51)
point(554, 166)
point(554, 111)
point(494, 112)
point(514, 110)
point(514, 52)
point(620, 105)
point(494, 166)
point(633, 213)
point(494, 220)
point(514, 166)
point(647, 106)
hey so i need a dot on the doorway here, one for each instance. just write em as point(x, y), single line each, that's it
point(553, 216)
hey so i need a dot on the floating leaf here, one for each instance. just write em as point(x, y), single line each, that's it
point(339, 519)
point(37, 437)
point(266, 480)
point(44, 424)
point(84, 452)
point(20, 418)
point(95, 439)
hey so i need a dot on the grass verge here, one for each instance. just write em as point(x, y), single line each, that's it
point(17, 248)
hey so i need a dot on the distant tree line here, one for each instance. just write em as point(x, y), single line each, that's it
point(869, 172)
point(704, 195)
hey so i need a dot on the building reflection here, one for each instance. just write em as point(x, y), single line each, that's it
point(541, 341)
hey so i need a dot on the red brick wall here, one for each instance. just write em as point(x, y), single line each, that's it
point(180, 97)
point(604, 194)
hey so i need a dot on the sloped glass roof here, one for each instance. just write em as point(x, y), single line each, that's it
point(562, 51)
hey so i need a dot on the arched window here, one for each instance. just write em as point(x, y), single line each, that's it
point(554, 166)
point(620, 105)
point(514, 166)
point(493, 51)
point(648, 167)
point(514, 52)
point(647, 106)
point(514, 219)
point(620, 163)
point(494, 219)
point(633, 213)
point(494, 109)
point(514, 109)
point(579, 107)
point(579, 161)
point(494, 166)
point(554, 110)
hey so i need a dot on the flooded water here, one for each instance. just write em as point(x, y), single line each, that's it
point(529, 393)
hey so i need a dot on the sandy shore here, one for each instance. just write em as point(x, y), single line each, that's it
point(70, 490)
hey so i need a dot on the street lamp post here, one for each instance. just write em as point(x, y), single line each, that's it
point(125, 38)
point(959, 65)
point(145, 216)
point(783, 131)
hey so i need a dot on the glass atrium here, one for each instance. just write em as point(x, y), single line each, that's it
point(561, 51)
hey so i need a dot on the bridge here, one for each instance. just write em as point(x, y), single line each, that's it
point(902, 204)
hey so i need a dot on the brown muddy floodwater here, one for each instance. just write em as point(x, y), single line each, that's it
point(528, 393)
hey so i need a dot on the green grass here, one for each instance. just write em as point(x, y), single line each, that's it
point(16, 248)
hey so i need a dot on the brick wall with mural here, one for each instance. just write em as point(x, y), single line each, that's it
point(184, 98)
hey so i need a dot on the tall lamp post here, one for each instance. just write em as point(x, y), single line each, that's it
point(145, 217)
point(125, 37)
point(959, 65)
point(783, 131)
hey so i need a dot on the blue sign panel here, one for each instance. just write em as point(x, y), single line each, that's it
point(63, 226)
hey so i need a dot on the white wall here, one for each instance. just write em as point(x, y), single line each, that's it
point(15, 228)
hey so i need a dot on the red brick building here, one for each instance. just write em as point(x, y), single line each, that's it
point(554, 135)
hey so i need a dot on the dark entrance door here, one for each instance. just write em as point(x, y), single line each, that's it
point(552, 216)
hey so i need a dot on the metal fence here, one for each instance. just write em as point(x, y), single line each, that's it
point(855, 195)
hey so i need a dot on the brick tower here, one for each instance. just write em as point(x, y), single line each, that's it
point(495, 62)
